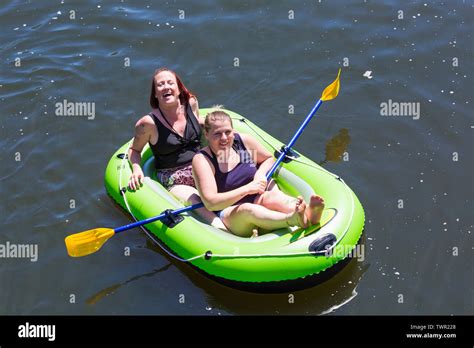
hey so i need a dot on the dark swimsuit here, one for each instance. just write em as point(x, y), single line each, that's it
point(174, 153)
point(173, 150)
point(242, 174)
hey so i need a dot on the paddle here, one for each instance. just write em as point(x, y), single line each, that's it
point(88, 242)
point(329, 93)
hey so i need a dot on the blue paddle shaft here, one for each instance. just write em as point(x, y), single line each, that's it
point(269, 175)
point(159, 217)
point(293, 140)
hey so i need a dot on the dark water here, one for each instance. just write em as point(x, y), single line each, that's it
point(413, 174)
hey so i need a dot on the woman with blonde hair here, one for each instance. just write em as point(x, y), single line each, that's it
point(230, 176)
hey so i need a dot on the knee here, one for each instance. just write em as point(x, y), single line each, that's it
point(246, 209)
point(268, 196)
point(194, 198)
point(186, 194)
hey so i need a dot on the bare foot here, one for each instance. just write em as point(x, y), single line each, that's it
point(315, 209)
point(298, 218)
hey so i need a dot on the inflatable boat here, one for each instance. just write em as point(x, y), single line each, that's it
point(282, 255)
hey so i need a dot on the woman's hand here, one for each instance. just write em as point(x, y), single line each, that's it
point(257, 186)
point(260, 175)
point(136, 179)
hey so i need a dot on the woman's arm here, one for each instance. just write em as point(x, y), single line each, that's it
point(142, 136)
point(206, 185)
point(195, 107)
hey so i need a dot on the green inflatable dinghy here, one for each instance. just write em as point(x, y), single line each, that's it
point(281, 255)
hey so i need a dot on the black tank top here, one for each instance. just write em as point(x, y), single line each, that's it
point(173, 150)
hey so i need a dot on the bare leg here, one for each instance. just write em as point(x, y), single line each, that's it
point(244, 218)
point(274, 199)
point(277, 200)
point(189, 195)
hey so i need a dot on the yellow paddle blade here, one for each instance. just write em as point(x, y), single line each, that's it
point(331, 91)
point(87, 242)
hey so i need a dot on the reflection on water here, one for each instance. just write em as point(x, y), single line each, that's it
point(320, 296)
point(319, 299)
point(50, 57)
point(336, 146)
point(110, 290)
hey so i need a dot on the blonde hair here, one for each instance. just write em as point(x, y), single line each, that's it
point(217, 115)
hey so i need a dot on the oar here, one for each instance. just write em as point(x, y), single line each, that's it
point(329, 93)
point(88, 242)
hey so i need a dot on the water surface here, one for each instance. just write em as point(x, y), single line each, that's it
point(413, 176)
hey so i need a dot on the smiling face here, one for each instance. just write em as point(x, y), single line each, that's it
point(166, 88)
point(220, 134)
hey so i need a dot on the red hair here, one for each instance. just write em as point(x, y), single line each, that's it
point(184, 93)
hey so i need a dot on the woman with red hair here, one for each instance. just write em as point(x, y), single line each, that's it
point(173, 131)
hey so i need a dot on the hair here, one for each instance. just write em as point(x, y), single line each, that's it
point(184, 93)
point(216, 115)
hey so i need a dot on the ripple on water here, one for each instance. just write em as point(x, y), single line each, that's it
point(282, 62)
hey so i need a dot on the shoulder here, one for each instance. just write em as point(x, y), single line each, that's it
point(202, 166)
point(199, 163)
point(248, 140)
point(193, 102)
point(146, 123)
point(201, 158)
point(255, 147)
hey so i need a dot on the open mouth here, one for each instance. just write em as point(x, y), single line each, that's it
point(166, 95)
